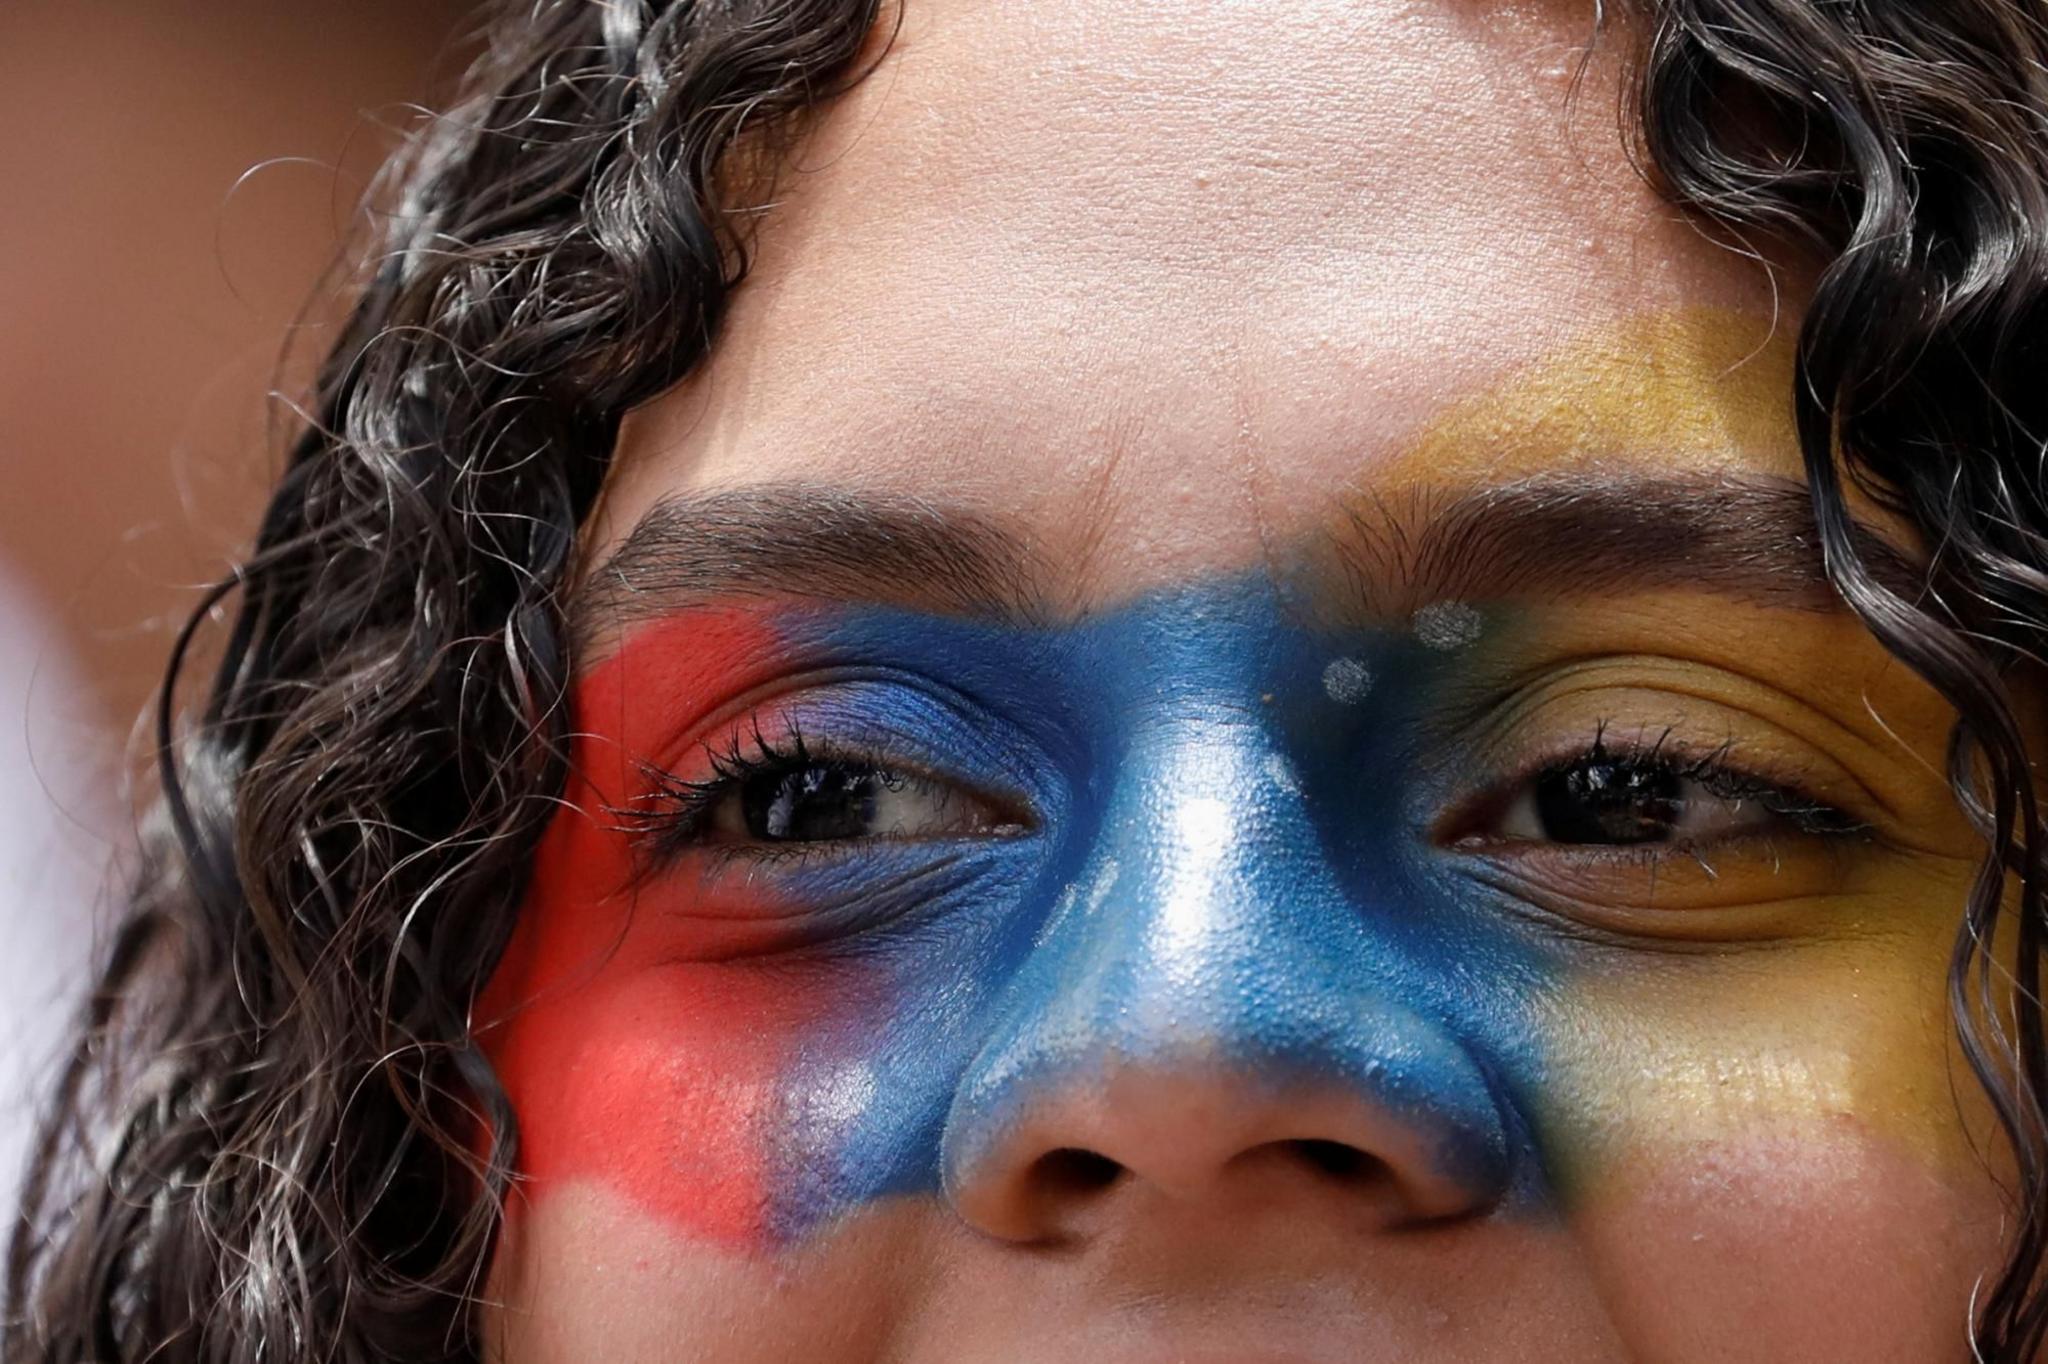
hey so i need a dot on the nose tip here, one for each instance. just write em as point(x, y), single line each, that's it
point(1198, 1129)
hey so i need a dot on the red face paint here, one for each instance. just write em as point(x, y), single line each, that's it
point(628, 1059)
point(751, 1042)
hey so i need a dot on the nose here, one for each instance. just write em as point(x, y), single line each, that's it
point(1208, 1018)
point(1382, 1147)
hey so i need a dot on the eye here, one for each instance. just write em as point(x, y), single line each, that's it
point(818, 801)
point(765, 793)
point(1624, 798)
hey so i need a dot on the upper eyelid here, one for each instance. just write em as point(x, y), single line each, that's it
point(951, 731)
point(1851, 760)
point(1666, 738)
point(729, 761)
point(1447, 827)
point(1695, 762)
point(830, 748)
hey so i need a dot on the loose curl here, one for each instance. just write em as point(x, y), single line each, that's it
point(266, 1146)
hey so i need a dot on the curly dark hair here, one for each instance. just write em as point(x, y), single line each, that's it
point(265, 1145)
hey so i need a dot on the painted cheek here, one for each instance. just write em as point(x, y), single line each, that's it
point(1650, 1063)
point(626, 1062)
point(1726, 1129)
point(1230, 911)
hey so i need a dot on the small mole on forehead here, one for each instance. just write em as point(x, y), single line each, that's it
point(1346, 681)
point(1447, 625)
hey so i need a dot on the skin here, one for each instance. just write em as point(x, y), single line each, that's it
point(1223, 886)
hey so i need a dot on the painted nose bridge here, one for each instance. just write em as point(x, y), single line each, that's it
point(1204, 999)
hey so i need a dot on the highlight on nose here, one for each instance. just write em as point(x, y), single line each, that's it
point(1405, 1137)
point(1210, 1016)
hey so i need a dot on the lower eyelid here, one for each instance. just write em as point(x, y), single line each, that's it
point(848, 849)
point(1728, 894)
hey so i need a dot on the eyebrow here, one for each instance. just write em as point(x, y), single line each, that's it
point(809, 541)
point(1573, 534)
point(1745, 537)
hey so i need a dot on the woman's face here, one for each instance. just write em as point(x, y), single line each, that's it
point(1213, 735)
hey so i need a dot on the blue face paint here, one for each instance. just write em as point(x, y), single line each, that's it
point(1229, 868)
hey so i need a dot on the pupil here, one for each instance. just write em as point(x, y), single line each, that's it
point(1601, 800)
point(810, 804)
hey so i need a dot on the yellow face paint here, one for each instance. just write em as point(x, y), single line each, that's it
point(1700, 390)
point(1799, 995)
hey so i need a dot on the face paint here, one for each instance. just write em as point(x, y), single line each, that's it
point(1447, 625)
point(1703, 386)
point(1228, 863)
point(1347, 680)
point(1225, 859)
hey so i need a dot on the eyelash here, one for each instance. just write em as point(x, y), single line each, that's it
point(672, 816)
point(1714, 770)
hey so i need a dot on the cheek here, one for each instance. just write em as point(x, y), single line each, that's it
point(1777, 1161)
point(654, 1076)
point(659, 1088)
point(1797, 1242)
point(625, 1062)
point(643, 1045)
point(589, 1273)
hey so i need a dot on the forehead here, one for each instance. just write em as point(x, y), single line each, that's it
point(1157, 280)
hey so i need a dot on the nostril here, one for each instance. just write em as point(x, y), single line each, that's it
point(1338, 1159)
point(1071, 1171)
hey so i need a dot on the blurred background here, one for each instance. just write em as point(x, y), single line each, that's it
point(179, 179)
